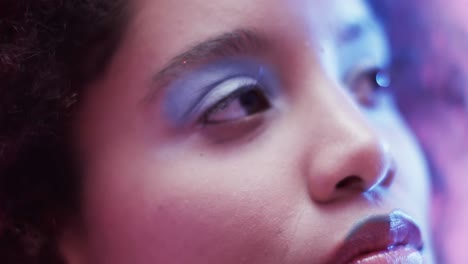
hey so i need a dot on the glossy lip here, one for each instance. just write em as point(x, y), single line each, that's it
point(379, 233)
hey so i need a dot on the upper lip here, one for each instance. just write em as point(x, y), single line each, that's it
point(379, 233)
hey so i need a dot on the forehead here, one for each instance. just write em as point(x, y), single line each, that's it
point(317, 16)
point(335, 16)
point(161, 29)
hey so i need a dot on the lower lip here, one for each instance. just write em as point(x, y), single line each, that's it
point(401, 255)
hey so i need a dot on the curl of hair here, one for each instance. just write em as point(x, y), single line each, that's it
point(49, 50)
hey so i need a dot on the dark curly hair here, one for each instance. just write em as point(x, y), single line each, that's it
point(49, 50)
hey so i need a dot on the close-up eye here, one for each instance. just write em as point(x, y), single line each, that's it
point(245, 97)
point(369, 85)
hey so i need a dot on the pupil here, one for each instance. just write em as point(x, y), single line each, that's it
point(253, 101)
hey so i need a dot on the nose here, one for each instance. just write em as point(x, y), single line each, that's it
point(350, 158)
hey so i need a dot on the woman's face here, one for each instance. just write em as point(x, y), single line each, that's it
point(247, 132)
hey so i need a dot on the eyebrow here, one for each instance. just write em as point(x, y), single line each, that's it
point(234, 43)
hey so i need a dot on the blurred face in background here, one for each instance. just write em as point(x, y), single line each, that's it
point(248, 132)
point(431, 81)
point(453, 156)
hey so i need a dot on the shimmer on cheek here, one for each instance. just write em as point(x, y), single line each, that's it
point(183, 95)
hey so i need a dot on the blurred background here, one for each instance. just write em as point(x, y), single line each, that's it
point(429, 40)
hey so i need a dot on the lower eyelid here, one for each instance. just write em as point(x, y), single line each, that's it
point(236, 131)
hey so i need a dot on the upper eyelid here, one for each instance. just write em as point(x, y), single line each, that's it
point(242, 80)
point(211, 99)
point(182, 96)
point(239, 42)
point(362, 68)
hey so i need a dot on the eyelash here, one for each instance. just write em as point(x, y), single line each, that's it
point(366, 88)
point(251, 98)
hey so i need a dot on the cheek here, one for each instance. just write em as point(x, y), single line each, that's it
point(412, 169)
point(412, 180)
point(413, 175)
point(153, 211)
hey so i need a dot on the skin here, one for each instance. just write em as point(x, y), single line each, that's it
point(282, 185)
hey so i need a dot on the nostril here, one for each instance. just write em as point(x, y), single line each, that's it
point(350, 182)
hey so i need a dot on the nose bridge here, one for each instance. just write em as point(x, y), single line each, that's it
point(349, 156)
point(339, 112)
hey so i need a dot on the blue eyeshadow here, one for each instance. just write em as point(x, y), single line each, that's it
point(188, 90)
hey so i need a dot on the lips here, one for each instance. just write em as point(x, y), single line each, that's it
point(392, 238)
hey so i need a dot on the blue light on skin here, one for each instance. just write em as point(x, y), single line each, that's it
point(355, 44)
point(194, 92)
point(368, 50)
